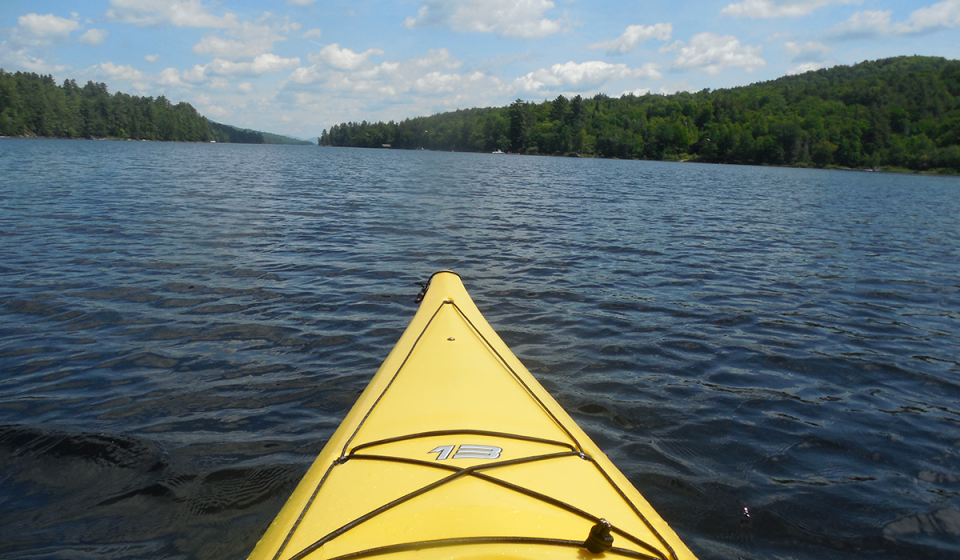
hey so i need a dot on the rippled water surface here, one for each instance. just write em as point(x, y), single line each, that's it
point(183, 326)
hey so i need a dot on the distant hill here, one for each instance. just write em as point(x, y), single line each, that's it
point(895, 113)
point(232, 134)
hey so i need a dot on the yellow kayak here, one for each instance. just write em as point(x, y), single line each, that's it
point(455, 451)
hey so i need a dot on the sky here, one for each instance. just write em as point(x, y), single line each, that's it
point(296, 67)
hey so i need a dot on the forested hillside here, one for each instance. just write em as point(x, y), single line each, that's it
point(227, 133)
point(893, 113)
point(34, 105)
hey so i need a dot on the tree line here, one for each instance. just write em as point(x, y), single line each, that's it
point(901, 113)
point(34, 105)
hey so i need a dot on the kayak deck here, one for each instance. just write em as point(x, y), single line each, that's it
point(455, 451)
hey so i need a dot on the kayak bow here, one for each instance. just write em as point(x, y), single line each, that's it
point(454, 450)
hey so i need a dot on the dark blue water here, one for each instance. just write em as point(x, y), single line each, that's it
point(183, 326)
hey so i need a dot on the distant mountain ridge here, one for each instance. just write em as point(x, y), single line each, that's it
point(899, 113)
point(235, 135)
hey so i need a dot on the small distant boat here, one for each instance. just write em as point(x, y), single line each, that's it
point(497, 151)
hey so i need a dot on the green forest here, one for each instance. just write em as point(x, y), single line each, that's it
point(895, 114)
point(34, 105)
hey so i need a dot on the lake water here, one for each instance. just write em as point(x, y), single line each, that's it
point(183, 326)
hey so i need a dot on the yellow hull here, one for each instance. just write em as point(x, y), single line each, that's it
point(455, 451)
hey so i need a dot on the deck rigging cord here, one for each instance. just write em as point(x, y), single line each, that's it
point(599, 539)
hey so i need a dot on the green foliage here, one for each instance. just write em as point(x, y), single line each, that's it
point(270, 138)
point(899, 112)
point(231, 134)
point(32, 105)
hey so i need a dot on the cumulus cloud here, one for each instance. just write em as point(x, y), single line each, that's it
point(769, 9)
point(170, 77)
point(428, 77)
point(574, 74)
point(94, 37)
point(936, 17)
point(47, 25)
point(634, 35)
point(245, 87)
point(121, 72)
point(805, 67)
point(261, 64)
point(216, 111)
point(249, 40)
point(511, 18)
point(181, 13)
point(436, 58)
point(438, 82)
point(674, 87)
point(196, 74)
point(35, 30)
point(811, 51)
point(872, 22)
point(312, 33)
point(344, 59)
point(941, 15)
point(152, 58)
point(21, 58)
point(712, 53)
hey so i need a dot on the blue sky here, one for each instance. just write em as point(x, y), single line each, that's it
point(298, 66)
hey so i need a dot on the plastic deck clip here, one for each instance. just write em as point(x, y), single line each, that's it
point(600, 540)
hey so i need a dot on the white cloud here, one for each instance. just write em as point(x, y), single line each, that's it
point(810, 51)
point(634, 35)
point(152, 58)
point(250, 41)
point(22, 59)
point(121, 72)
point(422, 84)
point(170, 77)
point(245, 87)
point(261, 64)
point(639, 92)
point(226, 48)
point(674, 87)
point(345, 59)
point(768, 9)
point(300, 2)
point(805, 67)
point(866, 23)
point(305, 75)
point(94, 37)
point(438, 82)
point(215, 111)
point(574, 74)
point(48, 25)
point(436, 58)
point(511, 18)
point(942, 15)
point(712, 53)
point(312, 33)
point(181, 13)
point(196, 74)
